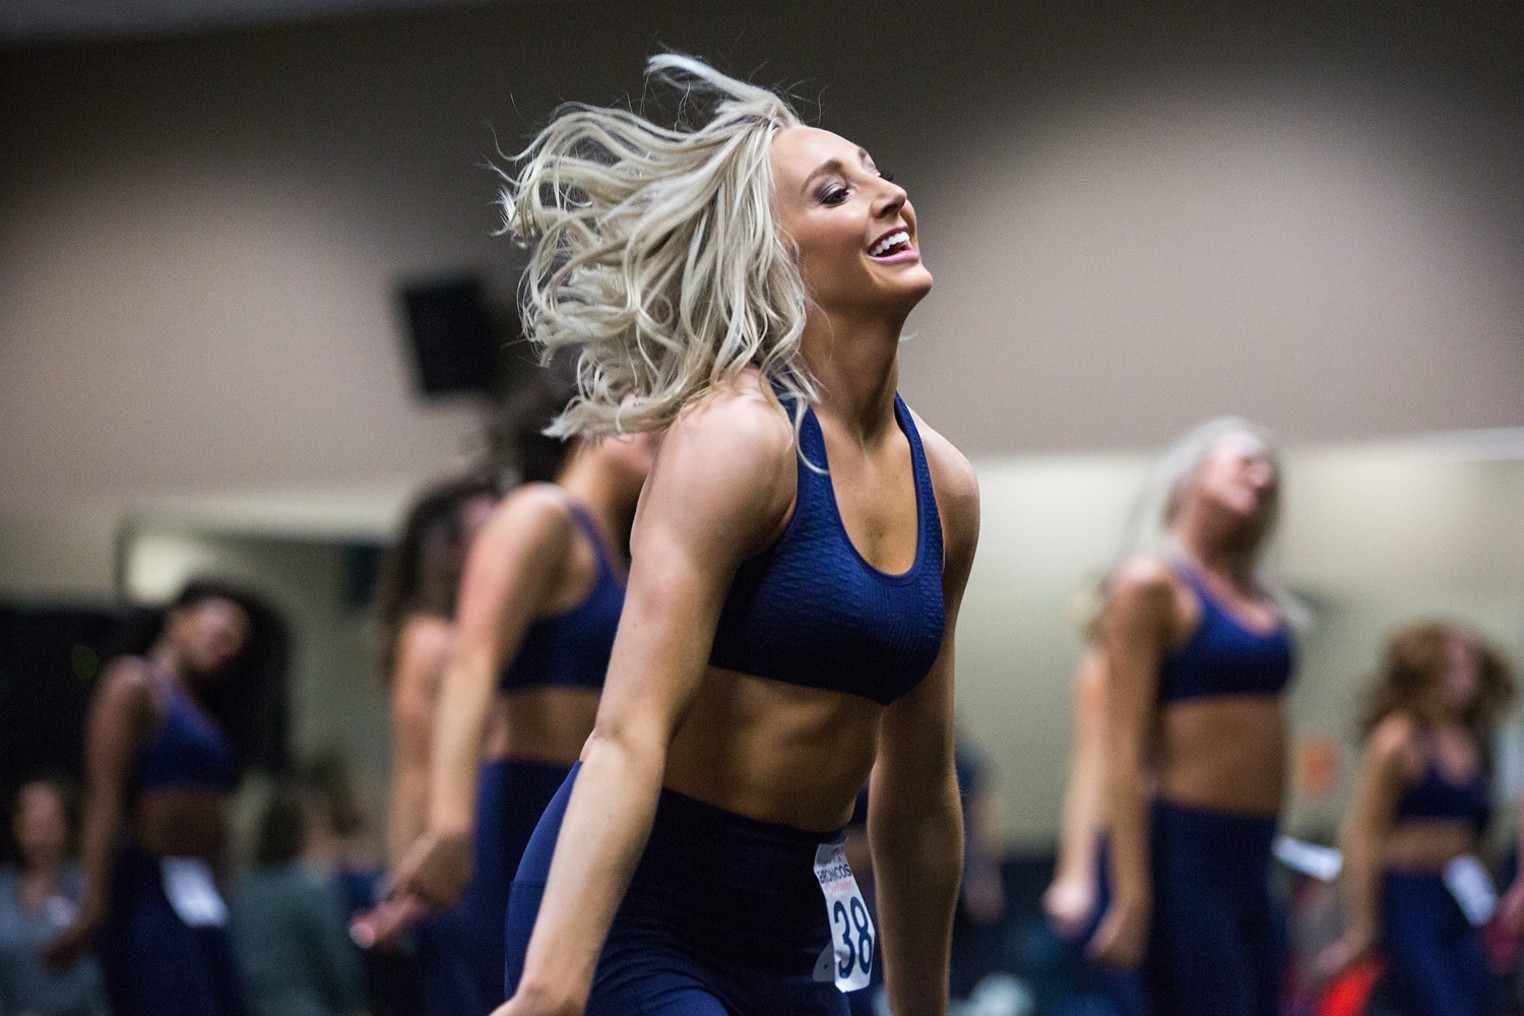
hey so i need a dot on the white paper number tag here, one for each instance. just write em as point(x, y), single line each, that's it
point(188, 886)
point(848, 960)
point(1472, 888)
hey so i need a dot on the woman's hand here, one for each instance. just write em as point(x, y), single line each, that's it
point(1348, 950)
point(432, 875)
point(1069, 903)
point(527, 1003)
point(1122, 936)
point(1511, 909)
point(72, 942)
point(436, 869)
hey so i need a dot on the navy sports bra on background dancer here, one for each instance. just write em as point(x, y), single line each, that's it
point(571, 649)
point(187, 749)
point(811, 611)
point(1224, 656)
point(1435, 797)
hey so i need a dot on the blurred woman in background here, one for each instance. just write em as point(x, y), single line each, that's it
point(1198, 654)
point(1413, 886)
point(161, 771)
point(540, 600)
point(1078, 897)
point(416, 605)
point(39, 897)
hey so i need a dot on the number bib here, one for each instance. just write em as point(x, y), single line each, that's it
point(848, 960)
point(1472, 888)
point(191, 892)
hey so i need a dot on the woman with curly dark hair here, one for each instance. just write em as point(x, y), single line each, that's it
point(1413, 886)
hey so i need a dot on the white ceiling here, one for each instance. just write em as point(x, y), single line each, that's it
point(30, 21)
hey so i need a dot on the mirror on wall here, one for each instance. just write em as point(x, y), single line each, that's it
point(1373, 535)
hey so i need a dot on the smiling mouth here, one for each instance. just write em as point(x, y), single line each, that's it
point(895, 243)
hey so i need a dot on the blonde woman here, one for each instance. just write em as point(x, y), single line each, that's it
point(798, 559)
point(1198, 653)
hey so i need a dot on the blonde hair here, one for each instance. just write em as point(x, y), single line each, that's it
point(1150, 529)
point(655, 253)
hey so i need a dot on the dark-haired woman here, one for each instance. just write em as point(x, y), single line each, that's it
point(1422, 800)
point(416, 603)
point(37, 897)
point(539, 603)
point(160, 771)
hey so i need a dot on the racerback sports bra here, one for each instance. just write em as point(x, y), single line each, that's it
point(571, 649)
point(1224, 656)
point(1433, 796)
point(187, 749)
point(811, 611)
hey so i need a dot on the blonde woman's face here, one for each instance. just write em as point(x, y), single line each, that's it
point(1239, 475)
point(854, 230)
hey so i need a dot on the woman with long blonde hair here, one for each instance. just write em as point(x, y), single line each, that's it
point(1198, 652)
point(798, 559)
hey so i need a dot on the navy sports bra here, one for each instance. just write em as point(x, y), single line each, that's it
point(571, 649)
point(810, 611)
point(1223, 656)
point(187, 749)
point(1434, 797)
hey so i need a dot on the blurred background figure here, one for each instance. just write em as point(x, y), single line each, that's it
point(39, 897)
point(1076, 900)
point(1414, 887)
point(1199, 653)
point(161, 769)
point(288, 921)
point(416, 606)
point(540, 601)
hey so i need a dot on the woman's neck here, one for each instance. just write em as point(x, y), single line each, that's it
point(856, 366)
point(601, 490)
point(1217, 548)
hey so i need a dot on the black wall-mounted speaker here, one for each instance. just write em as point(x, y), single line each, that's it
point(456, 347)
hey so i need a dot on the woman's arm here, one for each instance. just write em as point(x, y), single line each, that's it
point(120, 717)
point(719, 492)
point(422, 653)
point(915, 822)
point(514, 567)
point(1378, 784)
point(1070, 900)
point(1136, 638)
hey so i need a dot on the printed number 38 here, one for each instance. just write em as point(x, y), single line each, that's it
point(859, 953)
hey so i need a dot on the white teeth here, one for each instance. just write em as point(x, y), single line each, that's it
point(897, 237)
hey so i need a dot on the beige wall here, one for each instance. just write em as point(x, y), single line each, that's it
point(1135, 222)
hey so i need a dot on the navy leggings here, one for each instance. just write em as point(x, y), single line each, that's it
point(1436, 964)
point(1215, 944)
point(724, 917)
point(462, 948)
point(154, 963)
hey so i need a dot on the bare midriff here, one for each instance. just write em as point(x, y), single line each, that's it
point(181, 822)
point(1426, 844)
point(1223, 753)
point(774, 751)
point(542, 724)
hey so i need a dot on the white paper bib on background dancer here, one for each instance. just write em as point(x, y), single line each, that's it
point(191, 892)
